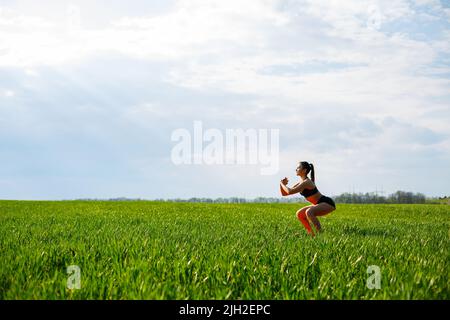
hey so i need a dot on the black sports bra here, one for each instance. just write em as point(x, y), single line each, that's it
point(309, 192)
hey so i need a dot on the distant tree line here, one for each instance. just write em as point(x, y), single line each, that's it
point(237, 200)
point(396, 197)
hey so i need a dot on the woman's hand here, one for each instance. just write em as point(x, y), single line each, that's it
point(283, 187)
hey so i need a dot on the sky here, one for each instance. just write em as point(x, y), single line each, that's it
point(91, 92)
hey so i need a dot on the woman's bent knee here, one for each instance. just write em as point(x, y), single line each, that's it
point(300, 214)
point(309, 213)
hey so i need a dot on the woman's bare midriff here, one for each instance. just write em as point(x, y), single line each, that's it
point(314, 198)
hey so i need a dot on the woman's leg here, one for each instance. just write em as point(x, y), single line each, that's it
point(318, 210)
point(301, 215)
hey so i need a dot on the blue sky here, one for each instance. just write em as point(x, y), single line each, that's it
point(90, 92)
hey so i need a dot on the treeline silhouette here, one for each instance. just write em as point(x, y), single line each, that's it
point(368, 197)
point(396, 197)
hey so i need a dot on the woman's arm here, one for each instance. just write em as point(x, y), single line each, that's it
point(296, 184)
point(285, 190)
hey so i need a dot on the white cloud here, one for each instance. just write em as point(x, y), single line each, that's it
point(10, 19)
point(8, 93)
point(192, 28)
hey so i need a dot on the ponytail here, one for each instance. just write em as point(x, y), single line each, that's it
point(313, 177)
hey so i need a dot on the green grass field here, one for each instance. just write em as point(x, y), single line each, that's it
point(153, 250)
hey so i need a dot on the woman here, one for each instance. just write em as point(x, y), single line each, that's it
point(321, 205)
